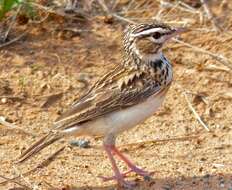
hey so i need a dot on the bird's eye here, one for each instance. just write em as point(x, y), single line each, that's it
point(156, 35)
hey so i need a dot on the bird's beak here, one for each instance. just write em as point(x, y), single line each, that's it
point(176, 32)
point(180, 31)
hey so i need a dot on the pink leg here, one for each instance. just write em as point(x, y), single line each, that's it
point(133, 167)
point(124, 175)
point(118, 176)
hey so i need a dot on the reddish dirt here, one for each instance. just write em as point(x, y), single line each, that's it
point(42, 73)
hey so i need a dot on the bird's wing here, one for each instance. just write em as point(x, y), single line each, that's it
point(117, 90)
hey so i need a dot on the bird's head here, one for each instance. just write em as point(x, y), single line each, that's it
point(146, 40)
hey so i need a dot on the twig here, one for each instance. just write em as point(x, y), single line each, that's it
point(43, 164)
point(12, 126)
point(49, 159)
point(14, 181)
point(24, 178)
point(50, 186)
point(179, 5)
point(137, 144)
point(225, 61)
point(171, 9)
point(12, 97)
point(194, 111)
point(11, 23)
point(123, 19)
point(60, 13)
point(108, 12)
point(206, 30)
point(165, 4)
point(13, 40)
point(129, 5)
point(40, 21)
point(103, 6)
point(210, 15)
point(217, 68)
point(189, 8)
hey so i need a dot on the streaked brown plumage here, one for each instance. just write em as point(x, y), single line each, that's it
point(114, 103)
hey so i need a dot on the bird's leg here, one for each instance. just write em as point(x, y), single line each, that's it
point(124, 175)
point(118, 176)
point(132, 166)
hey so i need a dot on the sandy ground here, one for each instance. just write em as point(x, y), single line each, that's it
point(41, 74)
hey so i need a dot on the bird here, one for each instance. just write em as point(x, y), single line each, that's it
point(122, 98)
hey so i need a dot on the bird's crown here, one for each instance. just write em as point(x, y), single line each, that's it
point(146, 40)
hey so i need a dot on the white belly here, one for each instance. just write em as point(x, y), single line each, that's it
point(130, 117)
point(122, 120)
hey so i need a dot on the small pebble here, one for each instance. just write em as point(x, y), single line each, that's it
point(222, 184)
point(207, 176)
point(147, 178)
point(4, 100)
point(82, 143)
point(167, 187)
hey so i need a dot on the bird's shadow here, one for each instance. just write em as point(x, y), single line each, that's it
point(207, 181)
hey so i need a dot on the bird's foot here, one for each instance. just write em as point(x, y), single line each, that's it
point(120, 180)
point(141, 172)
point(133, 167)
point(121, 176)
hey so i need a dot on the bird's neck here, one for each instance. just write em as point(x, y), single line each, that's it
point(134, 59)
point(152, 57)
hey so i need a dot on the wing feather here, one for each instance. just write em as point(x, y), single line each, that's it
point(108, 96)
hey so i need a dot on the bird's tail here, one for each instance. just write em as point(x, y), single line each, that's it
point(39, 145)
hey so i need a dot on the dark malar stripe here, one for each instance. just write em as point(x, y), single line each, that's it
point(156, 64)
